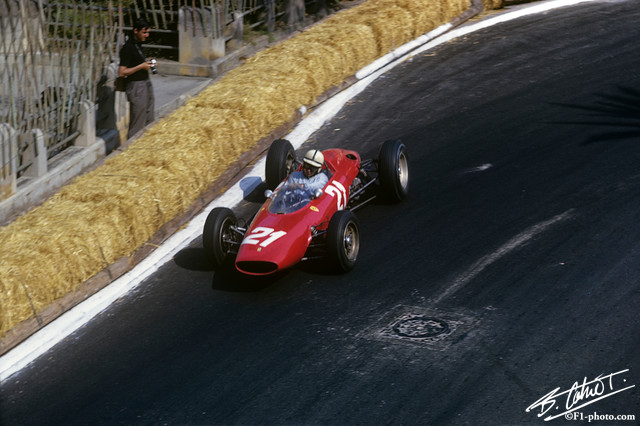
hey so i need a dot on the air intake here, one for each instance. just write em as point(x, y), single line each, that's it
point(257, 267)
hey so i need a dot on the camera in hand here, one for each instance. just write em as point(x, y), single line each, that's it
point(154, 68)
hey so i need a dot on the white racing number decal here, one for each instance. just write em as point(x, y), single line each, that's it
point(266, 235)
point(337, 191)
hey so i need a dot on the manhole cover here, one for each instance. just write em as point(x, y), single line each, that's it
point(429, 327)
point(419, 327)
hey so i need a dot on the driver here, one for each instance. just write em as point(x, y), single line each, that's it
point(310, 177)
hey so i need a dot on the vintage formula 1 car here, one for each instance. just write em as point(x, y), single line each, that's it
point(294, 225)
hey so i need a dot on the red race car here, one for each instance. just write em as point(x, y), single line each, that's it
point(296, 224)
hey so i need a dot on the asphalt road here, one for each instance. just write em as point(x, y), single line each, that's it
point(511, 269)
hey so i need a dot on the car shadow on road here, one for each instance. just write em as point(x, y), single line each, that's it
point(224, 279)
point(192, 259)
point(230, 279)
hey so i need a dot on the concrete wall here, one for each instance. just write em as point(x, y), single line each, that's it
point(201, 38)
point(45, 176)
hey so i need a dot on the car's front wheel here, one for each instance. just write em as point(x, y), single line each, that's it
point(218, 237)
point(281, 160)
point(343, 240)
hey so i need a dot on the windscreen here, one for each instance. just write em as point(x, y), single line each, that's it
point(289, 199)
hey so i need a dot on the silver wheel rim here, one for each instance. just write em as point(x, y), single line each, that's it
point(351, 241)
point(226, 236)
point(403, 170)
point(290, 162)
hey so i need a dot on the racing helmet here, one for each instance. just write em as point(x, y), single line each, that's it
point(314, 158)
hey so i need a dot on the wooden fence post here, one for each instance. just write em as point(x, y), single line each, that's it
point(271, 15)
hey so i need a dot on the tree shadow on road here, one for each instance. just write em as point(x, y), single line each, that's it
point(619, 110)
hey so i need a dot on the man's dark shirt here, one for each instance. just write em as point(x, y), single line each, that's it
point(131, 55)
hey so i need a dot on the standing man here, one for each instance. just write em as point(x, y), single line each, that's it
point(134, 66)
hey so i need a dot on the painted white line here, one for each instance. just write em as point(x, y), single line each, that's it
point(511, 245)
point(40, 342)
point(498, 19)
point(480, 168)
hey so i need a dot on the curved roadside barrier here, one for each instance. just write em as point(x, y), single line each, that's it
point(114, 211)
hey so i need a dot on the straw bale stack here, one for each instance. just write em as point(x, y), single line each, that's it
point(111, 212)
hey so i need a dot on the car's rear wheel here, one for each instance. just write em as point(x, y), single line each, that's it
point(393, 170)
point(218, 237)
point(343, 240)
point(281, 160)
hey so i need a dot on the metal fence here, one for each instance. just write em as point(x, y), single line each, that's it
point(53, 54)
point(216, 19)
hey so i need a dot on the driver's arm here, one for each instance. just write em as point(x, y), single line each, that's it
point(317, 182)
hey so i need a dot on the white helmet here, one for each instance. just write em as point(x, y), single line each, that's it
point(314, 158)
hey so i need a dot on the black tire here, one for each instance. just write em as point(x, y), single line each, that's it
point(343, 241)
point(393, 170)
point(281, 160)
point(217, 235)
